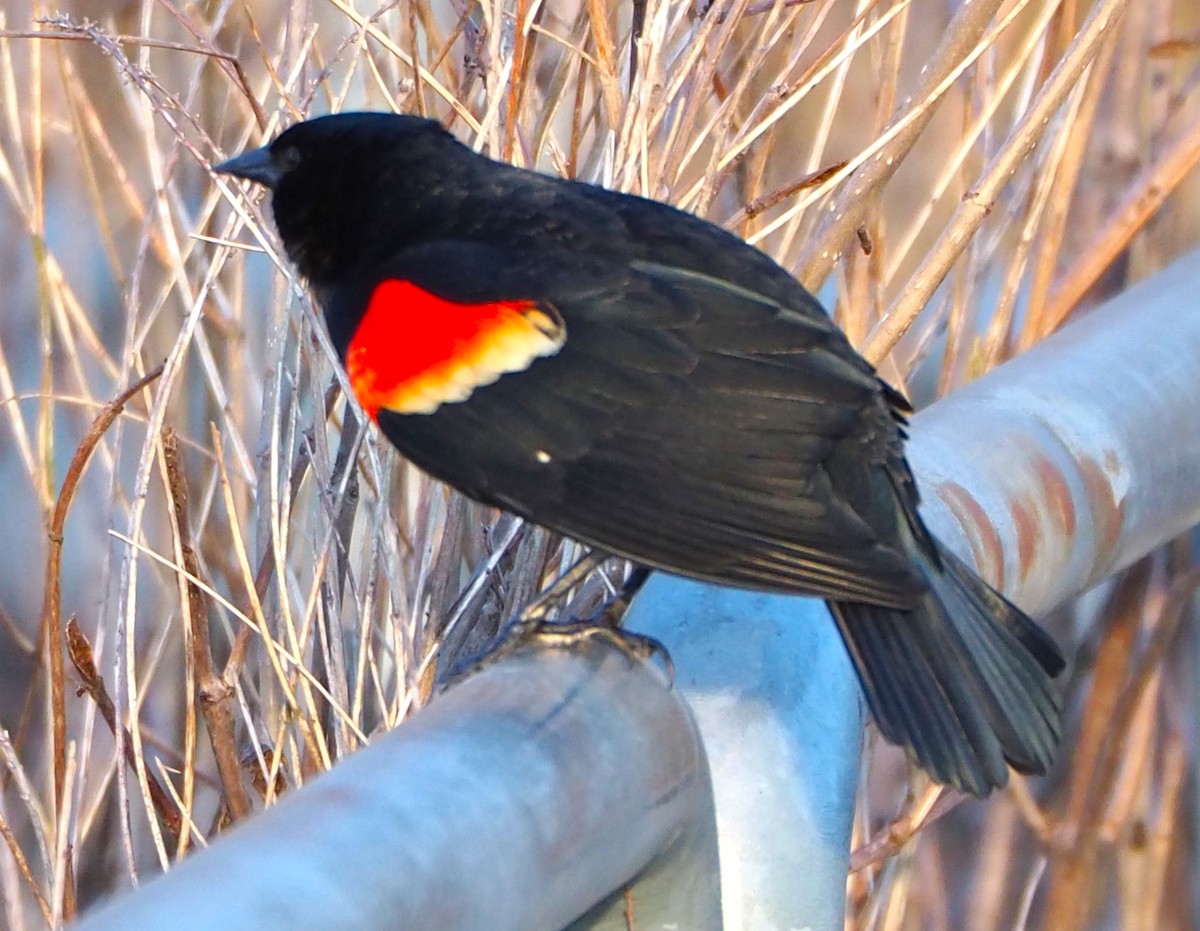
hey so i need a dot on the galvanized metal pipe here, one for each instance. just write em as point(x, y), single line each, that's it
point(1079, 456)
point(516, 800)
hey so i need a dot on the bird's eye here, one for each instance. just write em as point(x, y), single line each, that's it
point(287, 158)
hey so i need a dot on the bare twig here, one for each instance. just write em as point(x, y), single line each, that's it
point(91, 682)
point(52, 610)
point(932, 805)
point(960, 41)
point(214, 690)
point(1140, 203)
point(979, 202)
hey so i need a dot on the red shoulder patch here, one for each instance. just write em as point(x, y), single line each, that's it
point(414, 351)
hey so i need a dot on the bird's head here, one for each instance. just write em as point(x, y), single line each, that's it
point(348, 187)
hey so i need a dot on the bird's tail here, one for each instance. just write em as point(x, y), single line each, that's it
point(961, 681)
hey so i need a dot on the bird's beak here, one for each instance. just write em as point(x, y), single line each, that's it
point(255, 165)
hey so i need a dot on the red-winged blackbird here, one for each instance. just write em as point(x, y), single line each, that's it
point(641, 380)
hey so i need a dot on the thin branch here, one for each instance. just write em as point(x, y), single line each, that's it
point(51, 628)
point(228, 63)
point(1143, 200)
point(934, 803)
point(979, 202)
point(91, 682)
point(214, 690)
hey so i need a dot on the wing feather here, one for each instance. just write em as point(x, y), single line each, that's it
point(690, 424)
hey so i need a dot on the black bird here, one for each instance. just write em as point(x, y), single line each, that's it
point(641, 380)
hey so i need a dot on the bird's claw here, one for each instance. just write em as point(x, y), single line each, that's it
point(532, 629)
point(567, 635)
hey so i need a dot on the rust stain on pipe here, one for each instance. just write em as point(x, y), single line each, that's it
point(1057, 492)
point(1108, 514)
point(981, 533)
point(1046, 510)
point(1028, 526)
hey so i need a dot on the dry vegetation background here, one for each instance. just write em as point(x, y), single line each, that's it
point(252, 585)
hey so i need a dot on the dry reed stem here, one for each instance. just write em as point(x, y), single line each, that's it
point(22, 865)
point(335, 584)
point(213, 689)
point(1085, 803)
point(91, 682)
point(960, 42)
point(980, 201)
point(933, 804)
point(1051, 237)
point(51, 632)
point(1144, 199)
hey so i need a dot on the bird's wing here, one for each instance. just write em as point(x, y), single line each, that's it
point(678, 420)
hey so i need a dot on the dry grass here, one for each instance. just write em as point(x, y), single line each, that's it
point(259, 585)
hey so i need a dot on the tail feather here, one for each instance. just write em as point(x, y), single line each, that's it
point(942, 728)
point(962, 681)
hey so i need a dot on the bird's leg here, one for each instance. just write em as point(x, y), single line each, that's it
point(606, 624)
point(532, 625)
point(613, 613)
point(535, 614)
